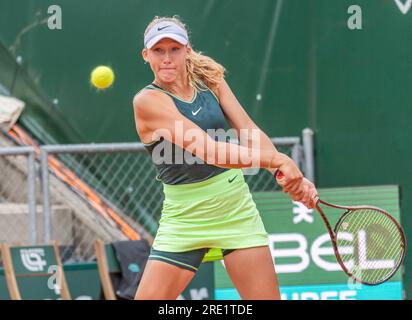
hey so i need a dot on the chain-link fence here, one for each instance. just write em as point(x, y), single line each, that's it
point(106, 191)
point(18, 196)
point(91, 180)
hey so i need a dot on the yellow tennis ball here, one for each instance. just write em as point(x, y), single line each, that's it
point(102, 77)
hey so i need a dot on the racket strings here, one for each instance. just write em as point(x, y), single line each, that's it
point(375, 249)
point(392, 252)
point(377, 244)
point(374, 237)
point(386, 231)
point(348, 260)
point(348, 227)
point(383, 264)
point(378, 237)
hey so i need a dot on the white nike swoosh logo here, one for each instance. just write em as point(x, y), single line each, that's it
point(196, 112)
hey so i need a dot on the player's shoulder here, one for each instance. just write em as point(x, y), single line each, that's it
point(146, 94)
point(148, 97)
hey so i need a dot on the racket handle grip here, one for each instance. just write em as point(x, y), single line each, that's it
point(280, 177)
point(279, 174)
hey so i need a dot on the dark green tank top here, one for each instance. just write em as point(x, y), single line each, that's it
point(205, 111)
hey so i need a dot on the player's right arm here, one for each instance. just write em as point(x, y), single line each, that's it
point(156, 116)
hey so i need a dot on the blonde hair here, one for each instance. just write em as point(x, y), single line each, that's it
point(202, 70)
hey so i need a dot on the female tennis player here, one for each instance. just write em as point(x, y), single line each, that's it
point(208, 211)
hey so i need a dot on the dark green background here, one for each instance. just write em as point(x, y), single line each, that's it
point(351, 87)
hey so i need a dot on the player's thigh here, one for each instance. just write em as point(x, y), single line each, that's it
point(162, 281)
point(252, 271)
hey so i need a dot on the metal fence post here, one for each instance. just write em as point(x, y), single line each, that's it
point(308, 151)
point(46, 194)
point(31, 192)
point(295, 153)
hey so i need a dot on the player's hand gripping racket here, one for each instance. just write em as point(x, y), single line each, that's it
point(369, 244)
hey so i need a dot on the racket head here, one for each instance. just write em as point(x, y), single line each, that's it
point(378, 244)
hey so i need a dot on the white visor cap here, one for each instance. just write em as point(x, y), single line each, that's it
point(165, 29)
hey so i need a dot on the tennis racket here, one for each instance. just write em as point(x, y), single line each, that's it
point(369, 244)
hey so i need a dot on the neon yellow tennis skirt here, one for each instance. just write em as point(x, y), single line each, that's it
point(218, 213)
